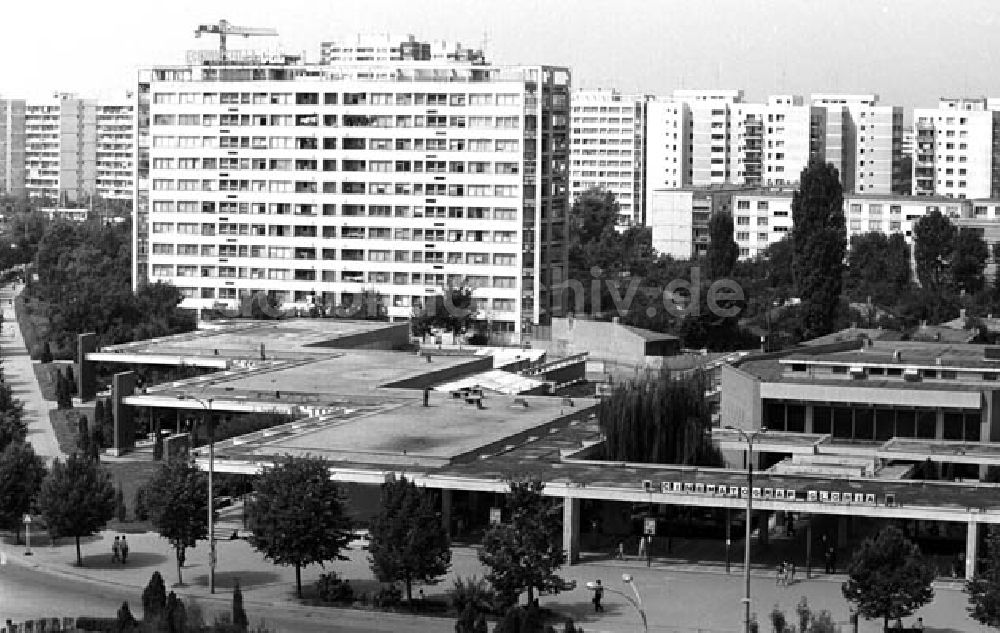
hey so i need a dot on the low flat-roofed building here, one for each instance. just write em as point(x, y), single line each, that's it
point(871, 393)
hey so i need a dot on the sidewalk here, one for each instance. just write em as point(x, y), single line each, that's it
point(678, 598)
point(20, 375)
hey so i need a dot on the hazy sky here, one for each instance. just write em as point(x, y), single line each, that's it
point(908, 51)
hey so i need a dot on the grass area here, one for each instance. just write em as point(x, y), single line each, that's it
point(45, 374)
point(64, 423)
point(131, 476)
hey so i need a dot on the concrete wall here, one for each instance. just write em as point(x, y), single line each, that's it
point(123, 385)
point(86, 370)
point(445, 374)
point(602, 339)
point(391, 337)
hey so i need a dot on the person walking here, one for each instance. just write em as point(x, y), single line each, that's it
point(621, 550)
point(642, 547)
point(789, 573)
point(598, 596)
point(124, 550)
point(116, 551)
point(779, 574)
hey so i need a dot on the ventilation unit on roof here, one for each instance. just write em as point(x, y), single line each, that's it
point(911, 373)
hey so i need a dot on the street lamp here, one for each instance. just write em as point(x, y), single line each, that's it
point(749, 439)
point(207, 404)
point(635, 602)
point(27, 535)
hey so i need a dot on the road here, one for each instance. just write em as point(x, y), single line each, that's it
point(26, 593)
point(18, 372)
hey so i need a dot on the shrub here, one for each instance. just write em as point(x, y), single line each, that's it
point(139, 505)
point(46, 356)
point(330, 588)
point(102, 625)
point(471, 591)
point(387, 596)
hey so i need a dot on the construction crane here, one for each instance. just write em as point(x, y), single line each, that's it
point(224, 28)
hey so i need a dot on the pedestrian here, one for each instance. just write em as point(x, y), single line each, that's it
point(779, 574)
point(831, 560)
point(642, 547)
point(789, 525)
point(116, 551)
point(789, 573)
point(621, 550)
point(598, 596)
point(124, 550)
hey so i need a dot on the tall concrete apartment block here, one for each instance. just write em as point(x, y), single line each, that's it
point(864, 141)
point(957, 149)
point(318, 182)
point(12, 146)
point(701, 138)
point(67, 149)
point(607, 149)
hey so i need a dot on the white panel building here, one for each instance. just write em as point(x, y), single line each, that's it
point(957, 149)
point(318, 182)
point(606, 149)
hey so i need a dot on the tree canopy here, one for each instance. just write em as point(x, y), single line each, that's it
point(177, 499)
point(408, 541)
point(968, 261)
point(723, 251)
point(819, 245)
point(665, 420)
point(77, 499)
point(934, 237)
point(524, 552)
point(452, 311)
point(296, 515)
point(21, 476)
point(878, 267)
point(984, 587)
point(888, 577)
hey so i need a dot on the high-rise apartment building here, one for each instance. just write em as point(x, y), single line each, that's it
point(957, 149)
point(864, 140)
point(318, 182)
point(607, 149)
point(12, 147)
point(67, 149)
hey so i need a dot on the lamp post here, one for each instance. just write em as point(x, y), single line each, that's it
point(749, 439)
point(207, 404)
point(635, 602)
point(27, 535)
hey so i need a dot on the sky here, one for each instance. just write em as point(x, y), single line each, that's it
point(910, 52)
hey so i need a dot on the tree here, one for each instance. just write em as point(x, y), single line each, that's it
point(177, 501)
point(888, 577)
point(21, 475)
point(878, 267)
point(819, 245)
point(121, 511)
point(64, 396)
point(125, 620)
point(12, 425)
point(154, 598)
point(984, 587)
point(934, 237)
point(408, 540)
point(968, 261)
point(296, 515)
point(71, 379)
point(452, 311)
point(723, 251)
point(664, 420)
point(240, 619)
point(46, 356)
point(524, 553)
point(175, 615)
point(83, 435)
point(77, 499)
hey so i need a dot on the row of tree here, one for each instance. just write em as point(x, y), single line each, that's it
point(84, 272)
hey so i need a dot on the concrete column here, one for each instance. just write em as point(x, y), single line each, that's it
point(571, 530)
point(809, 543)
point(446, 511)
point(122, 385)
point(85, 369)
point(939, 428)
point(971, 545)
point(841, 531)
point(809, 418)
point(763, 528)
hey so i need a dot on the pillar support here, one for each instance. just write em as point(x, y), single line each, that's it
point(571, 530)
point(971, 547)
point(446, 510)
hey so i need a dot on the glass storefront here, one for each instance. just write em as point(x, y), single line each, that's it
point(872, 423)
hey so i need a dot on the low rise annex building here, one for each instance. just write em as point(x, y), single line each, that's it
point(847, 422)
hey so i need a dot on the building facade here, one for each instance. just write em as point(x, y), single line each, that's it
point(67, 149)
point(316, 183)
point(607, 149)
point(957, 149)
point(864, 141)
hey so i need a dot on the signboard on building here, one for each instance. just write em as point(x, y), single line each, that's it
point(495, 517)
point(649, 526)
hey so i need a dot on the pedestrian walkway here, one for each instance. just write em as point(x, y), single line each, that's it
point(677, 598)
point(20, 375)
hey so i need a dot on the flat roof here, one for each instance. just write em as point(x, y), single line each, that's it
point(242, 339)
point(912, 354)
point(404, 433)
